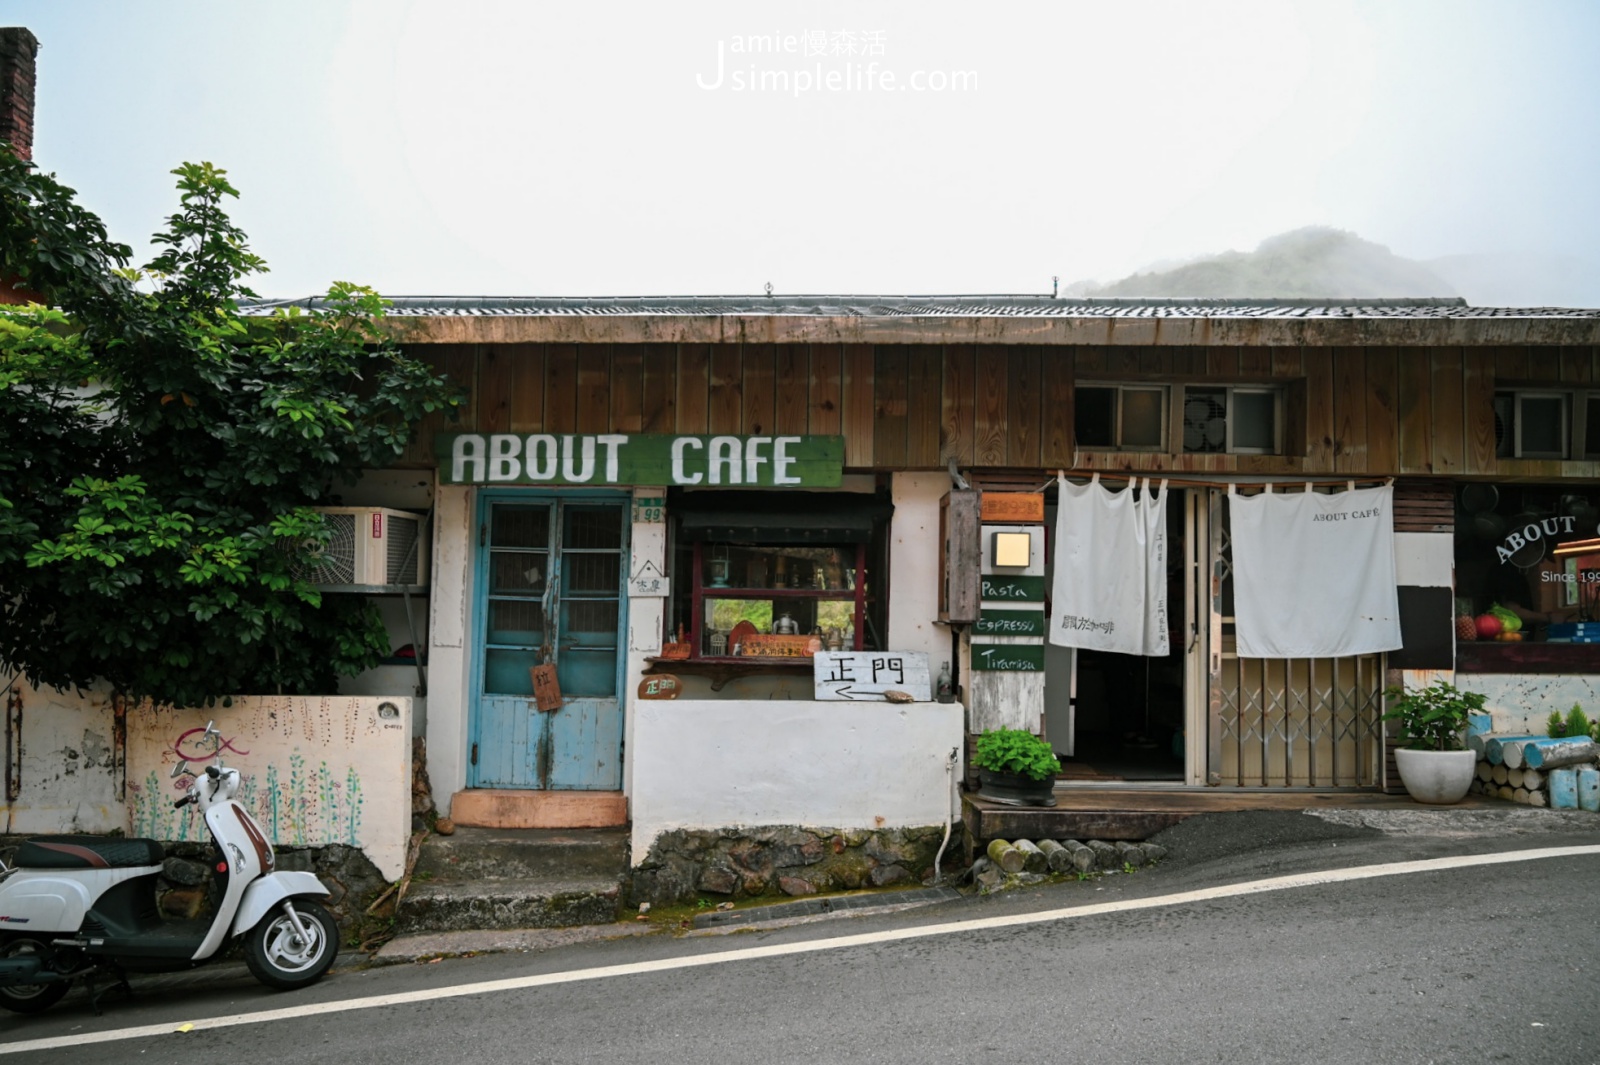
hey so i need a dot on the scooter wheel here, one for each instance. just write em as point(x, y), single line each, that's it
point(279, 957)
point(29, 998)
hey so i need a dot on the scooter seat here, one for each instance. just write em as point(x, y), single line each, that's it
point(87, 852)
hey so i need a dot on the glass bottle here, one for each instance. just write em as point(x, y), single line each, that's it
point(946, 688)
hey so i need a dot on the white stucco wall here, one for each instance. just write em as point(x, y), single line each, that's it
point(1522, 702)
point(914, 568)
point(66, 771)
point(728, 763)
point(315, 770)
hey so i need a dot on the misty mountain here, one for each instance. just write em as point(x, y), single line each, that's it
point(1316, 262)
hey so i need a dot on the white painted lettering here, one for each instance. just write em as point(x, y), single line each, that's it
point(572, 473)
point(503, 462)
point(467, 449)
point(611, 442)
point(679, 474)
point(782, 460)
point(541, 457)
point(724, 458)
point(753, 458)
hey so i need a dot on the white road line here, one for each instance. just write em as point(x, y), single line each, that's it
point(519, 983)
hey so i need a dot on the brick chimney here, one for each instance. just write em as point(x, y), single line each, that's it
point(18, 49)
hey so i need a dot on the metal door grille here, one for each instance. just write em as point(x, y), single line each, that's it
point(1290, 723)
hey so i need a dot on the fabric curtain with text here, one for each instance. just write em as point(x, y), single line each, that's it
point(1109, 591)
point(1314, 573)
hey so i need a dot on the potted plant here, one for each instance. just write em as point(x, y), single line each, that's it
point(1433, 764)
point(1016, 768)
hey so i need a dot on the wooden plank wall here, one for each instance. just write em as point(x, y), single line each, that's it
point(1356, 411)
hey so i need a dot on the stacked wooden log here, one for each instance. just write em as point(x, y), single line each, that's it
point(1562, 773)
point(1069, 855)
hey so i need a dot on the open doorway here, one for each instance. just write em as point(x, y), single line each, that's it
point(1116, 717)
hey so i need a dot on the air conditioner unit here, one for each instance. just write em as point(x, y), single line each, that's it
point(370, 546)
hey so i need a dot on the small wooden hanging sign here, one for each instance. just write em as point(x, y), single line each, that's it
point(546, 689)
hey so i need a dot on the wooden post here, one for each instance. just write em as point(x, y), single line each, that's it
point(1501, 775)
point(1033, 859)
point(1059, 858)
point(1485, 771)
point(1563, 789)
point(1589, 789)
point(1007, 857)
point(1494, 749)
point(1548, 754)
point(1082, 856)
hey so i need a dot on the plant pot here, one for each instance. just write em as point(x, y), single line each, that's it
point(1436, 777)
point(1011, 789)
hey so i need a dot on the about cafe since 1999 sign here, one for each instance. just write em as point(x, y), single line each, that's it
point(604, 459)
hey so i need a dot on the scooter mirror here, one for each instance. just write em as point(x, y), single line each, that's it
point(180, 769)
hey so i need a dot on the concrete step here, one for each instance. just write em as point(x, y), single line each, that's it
point(474, 854)
point(542, 902)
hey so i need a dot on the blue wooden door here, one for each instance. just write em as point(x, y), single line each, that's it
point(550, 580)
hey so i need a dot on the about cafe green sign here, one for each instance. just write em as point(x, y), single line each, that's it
point(619, 459)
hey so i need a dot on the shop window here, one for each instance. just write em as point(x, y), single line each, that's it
point(1122, 417)
point(763, 577)
point(1204, 419)
point(1535, 424)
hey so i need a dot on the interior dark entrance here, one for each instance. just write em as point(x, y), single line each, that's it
point(1127, 712)
point(1129, 717)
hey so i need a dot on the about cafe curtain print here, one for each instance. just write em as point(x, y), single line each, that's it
point(1314, 573)
point(1110, 587)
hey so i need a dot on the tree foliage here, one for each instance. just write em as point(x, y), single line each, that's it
point(159, 452)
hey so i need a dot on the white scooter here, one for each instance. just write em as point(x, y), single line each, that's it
point(80, 908)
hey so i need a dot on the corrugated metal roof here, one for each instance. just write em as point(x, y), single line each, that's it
point(998, 306)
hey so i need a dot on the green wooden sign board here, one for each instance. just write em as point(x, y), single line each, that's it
point(651, 458)
point(1015, 589)
point(1010, 623)
point(1015, 657)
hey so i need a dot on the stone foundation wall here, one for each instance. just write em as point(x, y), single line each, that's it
point(782, 860)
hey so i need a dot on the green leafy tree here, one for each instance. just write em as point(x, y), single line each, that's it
point(160, 451)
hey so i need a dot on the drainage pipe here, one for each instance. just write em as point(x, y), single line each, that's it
point(949, 808)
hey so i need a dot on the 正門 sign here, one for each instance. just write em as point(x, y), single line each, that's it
point(866, 675)
point(651, 458)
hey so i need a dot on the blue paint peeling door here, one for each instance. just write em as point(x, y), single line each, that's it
point(550, 578)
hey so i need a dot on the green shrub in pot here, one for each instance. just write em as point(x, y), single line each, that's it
point(1432, 718)
point(1016, 751)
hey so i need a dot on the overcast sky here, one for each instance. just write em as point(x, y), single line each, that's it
point(609, 148)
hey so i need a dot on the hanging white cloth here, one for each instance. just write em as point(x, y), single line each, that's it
point(1313, 573)
point(1109, 591)
point(1154, 509)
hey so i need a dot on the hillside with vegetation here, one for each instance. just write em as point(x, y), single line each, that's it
point(1316, 262)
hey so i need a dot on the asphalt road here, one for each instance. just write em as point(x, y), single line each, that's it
point(1475, 964)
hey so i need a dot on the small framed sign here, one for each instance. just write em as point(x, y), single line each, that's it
point(1010, 623)
point(1016, 589)
point(867, 675)
point(1011, 657)
point(660, 686)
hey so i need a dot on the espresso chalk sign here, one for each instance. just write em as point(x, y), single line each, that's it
point(640, 459)
point(1010, 623)
point(1005, 588)
point(865, 675)
point(1013, 657)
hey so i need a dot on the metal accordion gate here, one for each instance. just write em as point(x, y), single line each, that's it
point(1285, 723)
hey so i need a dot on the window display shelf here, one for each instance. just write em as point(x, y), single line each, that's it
point(1490, 656)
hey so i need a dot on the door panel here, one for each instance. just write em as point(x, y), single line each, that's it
point(552, 578)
